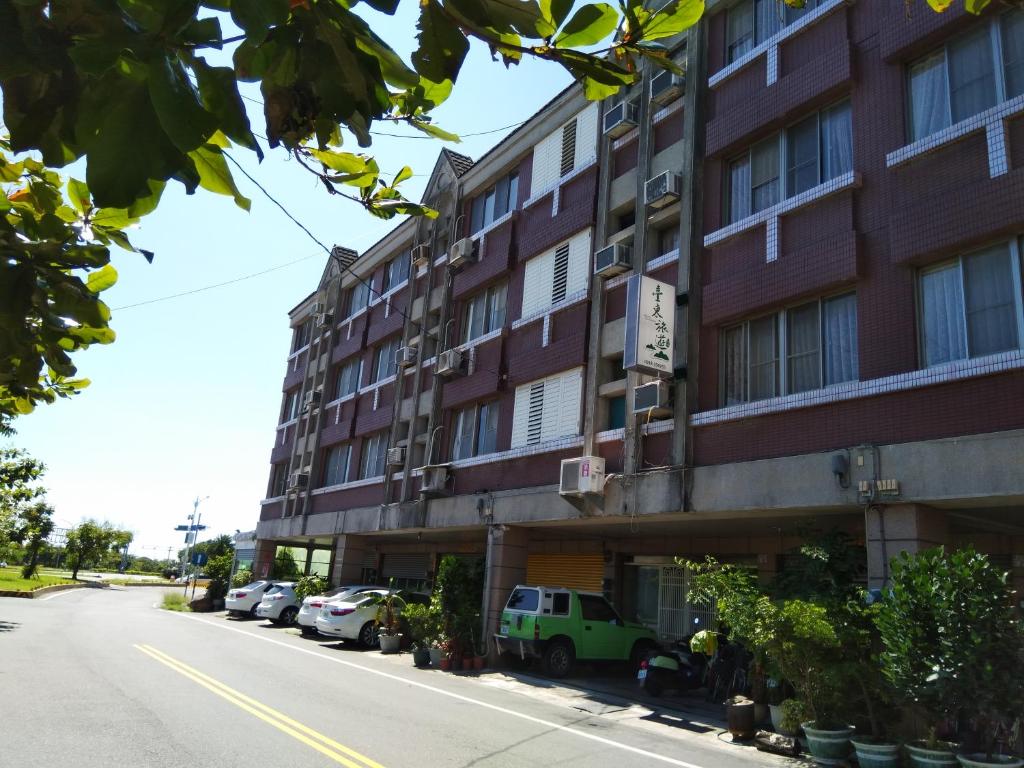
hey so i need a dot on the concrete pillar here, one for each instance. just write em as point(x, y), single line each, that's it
point(349, 556)
point(263, 560)
point(506, 567)
point(895, 528)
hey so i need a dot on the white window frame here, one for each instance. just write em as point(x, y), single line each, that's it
point(489, 197)
point(757, 36)
point(357, 291)
point(347, 447)
point(380, 355)
point(476, 416)
point(377, 446)
point(403, 262)
point(489, 296)
point(353, 363)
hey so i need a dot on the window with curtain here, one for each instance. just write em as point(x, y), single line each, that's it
point(491, 205)
point(384, 363)
point(397, 271)
point(476, 431)
point(751, 22)
point(336, 464)
point(968, 75)
point(358, 297)
point(347, 381)
point(668, 239)
point(300, 336)
point(375, 449)
point(797, 350)
point(485, 312)
point(279, 479)
point(817, 149)
point(290, 410)
point(971, 307)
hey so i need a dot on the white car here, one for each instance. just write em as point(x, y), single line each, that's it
point(353, 618)
point(243, 600)
point(312, 604)
point(280, 604)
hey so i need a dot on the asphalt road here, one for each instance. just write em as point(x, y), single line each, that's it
point(100, 677)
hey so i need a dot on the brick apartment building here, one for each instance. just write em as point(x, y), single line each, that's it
point(840, 225)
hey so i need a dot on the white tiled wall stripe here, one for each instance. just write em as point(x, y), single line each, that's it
point(537, 195)
point(667, 110)
point(939, 374)
point(771, 45)
point(838, 184)
point(654, 428)
point(561, 444)
point(568, 301)
point(349, 485)
point(478, 340)
point(653, 264)
point(377, 384)
point(992, 121)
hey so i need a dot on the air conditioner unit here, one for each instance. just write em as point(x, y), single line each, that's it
point(421, 256)
point(662, 190)
point(435, 480)
point(396, 456)
point(463, 252)
point(449, 363)
point(582, 475)
point(406, 356)
point(311, 400)
point(613, 259)
point(652, 398)
point(317, 308)
point(620, 119)
point(297, 481)
point(324, 320)
point(666, 87)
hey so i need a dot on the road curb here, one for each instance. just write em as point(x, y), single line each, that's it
point(42, 590)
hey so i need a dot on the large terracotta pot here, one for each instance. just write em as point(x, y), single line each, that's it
point(828, 747)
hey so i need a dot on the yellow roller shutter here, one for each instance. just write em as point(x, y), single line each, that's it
point(583, 572)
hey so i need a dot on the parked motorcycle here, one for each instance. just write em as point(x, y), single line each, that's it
point(676, 668)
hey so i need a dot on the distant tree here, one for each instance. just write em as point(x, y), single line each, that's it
point(35, 524)
point(19, 473)
point(90, 540)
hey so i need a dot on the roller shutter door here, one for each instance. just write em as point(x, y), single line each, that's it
point(583, 572)
point(405, 565)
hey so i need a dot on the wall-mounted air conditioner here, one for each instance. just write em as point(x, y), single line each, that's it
point(613, 259)
point(324, 320)
point(396, 456)
point(463, 252)
point(421, 256)
point(666, 87)
point(317, 308)
point(582, 475)
point(311, 400)
point(620, 119)
point(435, 480)
point(449, 363)
point(662, 190)
point(653, 398)
point(406, 356)
point(297, 481)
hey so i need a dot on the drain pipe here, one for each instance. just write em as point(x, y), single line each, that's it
point(485, 609)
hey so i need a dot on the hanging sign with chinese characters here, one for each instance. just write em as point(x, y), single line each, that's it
point(650, 326)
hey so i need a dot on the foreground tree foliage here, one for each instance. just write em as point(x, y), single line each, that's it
point(132, 89)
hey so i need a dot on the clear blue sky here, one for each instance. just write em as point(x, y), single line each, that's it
point(185, 402)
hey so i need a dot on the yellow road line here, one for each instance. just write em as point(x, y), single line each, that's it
point(282, 722)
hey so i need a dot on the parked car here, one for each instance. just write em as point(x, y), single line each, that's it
point(280, 604)
point(243, 600)
point(355, 617)
point(559, 626)
point(312, 604)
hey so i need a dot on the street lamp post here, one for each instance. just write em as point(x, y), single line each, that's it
point(193, 529)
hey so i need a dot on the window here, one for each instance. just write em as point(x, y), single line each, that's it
point(800, 349)
point(751, 22)
point(279, 479)
point(384, 363)
point(557, 274)
point(815, 150)
point(491, 205)
point(336, 464)
point(358, 297)
point(291, 406)
point(523, 599)
point(668, 239)
point(596, 608)
point(547, 409)
point(971, 306)
point(476, 431)
point(347, 381)
point(375, 449)
point(301, 334)
point(560, 604)
point(485, 312)
point(397, 271)
point(968, 75)
point(617, 412)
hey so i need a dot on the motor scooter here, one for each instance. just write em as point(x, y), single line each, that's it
point(676, 668)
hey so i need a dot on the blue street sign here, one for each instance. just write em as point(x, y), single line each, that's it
point(190, 528)
point(199, 558)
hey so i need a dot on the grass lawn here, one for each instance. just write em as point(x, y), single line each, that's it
point(10, 579)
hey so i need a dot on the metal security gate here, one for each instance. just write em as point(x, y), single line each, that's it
point(583, 572)
point(677, 616)
point(405, 570)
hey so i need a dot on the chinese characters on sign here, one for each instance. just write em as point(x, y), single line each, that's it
point(650, 326)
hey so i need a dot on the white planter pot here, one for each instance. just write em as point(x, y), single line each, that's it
point(979, 761)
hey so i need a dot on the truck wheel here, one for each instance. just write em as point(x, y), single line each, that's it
point(559, 657)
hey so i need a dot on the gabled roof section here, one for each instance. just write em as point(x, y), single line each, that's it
point(460, 163)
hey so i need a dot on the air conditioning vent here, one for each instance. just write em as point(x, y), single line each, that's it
point(653, 398)
point(613, 259)
point(463, 252)
point(662, 190)
point(435, 480)
point(324, 320)
point(620, 119)
point(297, 481)
point(666, 87)
point(449, 363)
point(581, 476)
point(406, 357)
point(396, 456)
point(421, 256)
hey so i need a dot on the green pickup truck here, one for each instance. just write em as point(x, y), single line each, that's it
point(559, 626)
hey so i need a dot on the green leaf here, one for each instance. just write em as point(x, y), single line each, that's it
point(78, 193)
point(523, 16)
point(442, 46)
point(589, 25)
point(219, 92)
point(975, 6)
point(343, 162)
point(203, 32)
point(555, 12)
point(215, 176)
point(431, 129)
point(405, 173)
point(177, 105)
point(256, 17)
point(675, 17)
point(101, 279)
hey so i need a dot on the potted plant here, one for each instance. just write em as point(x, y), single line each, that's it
point(420, 624)
point(388, 624)
point(792, 712)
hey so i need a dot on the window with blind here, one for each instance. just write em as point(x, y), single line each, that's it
point(571, 146)
point(751, 22)
point(476, 431)
point(384, 362)
point(811, 152)
point(491, 205)
point(969, 74)
point(358, 297)
point(552, 276)
point(485, 312)
point(347, 380)
point(806, 347)
point(971, 307)
point(336, 460)
point(547, 409)
point(375, 449)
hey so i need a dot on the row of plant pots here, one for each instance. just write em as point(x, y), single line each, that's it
point(438, 659)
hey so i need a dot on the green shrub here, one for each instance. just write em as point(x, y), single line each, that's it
point(423, 624)
point(174, 601)
point(310, 585)
point(241, 578)
point(219, 570)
